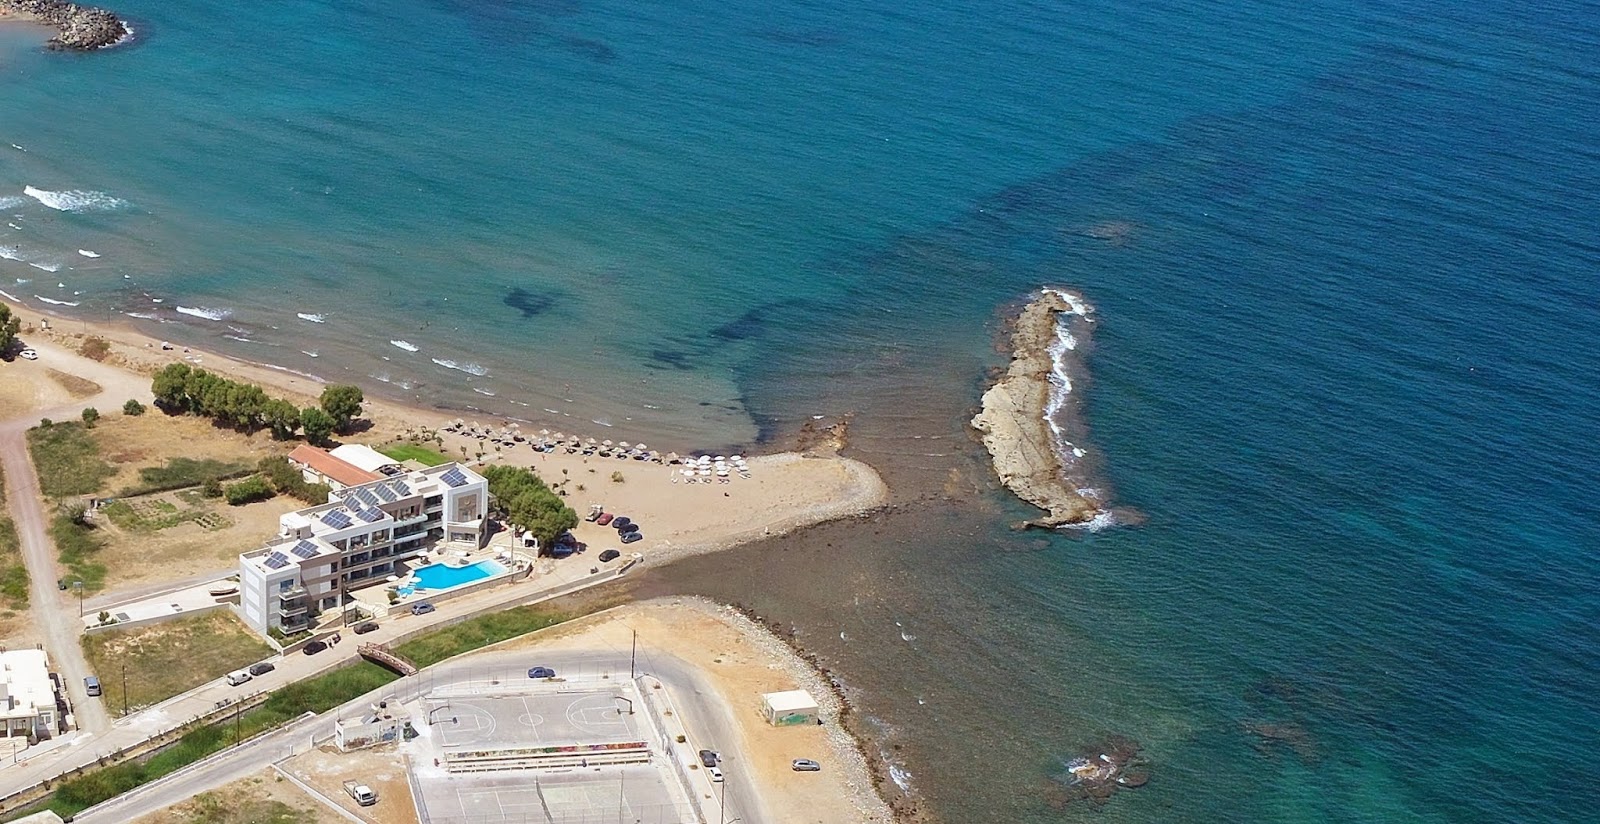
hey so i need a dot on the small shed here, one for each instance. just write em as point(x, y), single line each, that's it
point(787, 709)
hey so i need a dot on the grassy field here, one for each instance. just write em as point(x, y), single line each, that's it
point(13, 575)
point(174, 656)
point(79, 546)
point(477, 633)
point(67, 460)
point(178, 473)
point(414, 452)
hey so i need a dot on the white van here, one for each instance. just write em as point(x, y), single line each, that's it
point(715, 773)
point(91, 685)
point(237, 678)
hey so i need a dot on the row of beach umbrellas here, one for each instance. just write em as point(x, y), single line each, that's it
point(701, 466)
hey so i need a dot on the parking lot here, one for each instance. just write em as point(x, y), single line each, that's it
point(568, 719)
point(598, 795)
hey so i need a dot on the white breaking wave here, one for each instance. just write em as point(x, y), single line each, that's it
point(75, 200)
point(483, 391)
point(141, 315)
point(406, 345)
point(11, 253)
point(203, 312)
point(57, 302)
point(469, 368)
point(88, 254)
point(307, 316)
point(309, 352)
point(900, 777)
point(12, 201)
point(239, 338)
point(9, 296)
point(48, 267)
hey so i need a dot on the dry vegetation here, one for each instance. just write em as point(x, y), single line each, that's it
point(170, 657)
point(77, 387)
point(265, 798)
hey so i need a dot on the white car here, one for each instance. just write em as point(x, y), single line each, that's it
point(29, 354)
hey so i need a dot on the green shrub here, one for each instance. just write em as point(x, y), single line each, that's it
point(78, 543)
point(212, 488)
point(90, 416)
point(180, 473)
point(251, 489)
point(133, 408)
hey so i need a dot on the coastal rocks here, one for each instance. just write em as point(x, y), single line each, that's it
point(1014, 422)
point(78, 28)
point(1097, 773)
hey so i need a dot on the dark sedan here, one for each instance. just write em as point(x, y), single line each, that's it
point(314, 647)
point(364, 628)
point(261, 669)
point(630, 537)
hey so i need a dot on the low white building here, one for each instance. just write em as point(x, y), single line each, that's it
point(788, 708)
point(366, 458)
point(362, 535)
point(27, 695)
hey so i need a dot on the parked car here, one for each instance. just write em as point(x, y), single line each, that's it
point(605, 518)
point(710, 758)
point(314, 647)
point(421, 609)
point(262, 668)
point(29, 354)
point(715, 773)
point(91, 685)
point(541, 672)
point(237, 678)
point(609, 555)
point(364, 628)
point(629, 528)
point(621, 522)
point(806, 765)
point(630, 537)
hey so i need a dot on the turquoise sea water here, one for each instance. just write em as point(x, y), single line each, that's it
point(1343, 260)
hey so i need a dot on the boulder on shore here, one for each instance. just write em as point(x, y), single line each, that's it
point(1013, 425)
point(78, 28)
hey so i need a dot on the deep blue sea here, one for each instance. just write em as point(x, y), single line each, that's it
point(1346, 278)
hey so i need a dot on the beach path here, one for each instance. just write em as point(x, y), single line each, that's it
point(54, 612)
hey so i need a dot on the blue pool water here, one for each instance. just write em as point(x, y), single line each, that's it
point(437, 577)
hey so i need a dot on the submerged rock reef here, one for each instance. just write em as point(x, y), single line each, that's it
point(1097, 773)
point(1015, 421)
point(78, 28)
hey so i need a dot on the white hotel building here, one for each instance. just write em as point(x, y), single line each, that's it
point(358, 538)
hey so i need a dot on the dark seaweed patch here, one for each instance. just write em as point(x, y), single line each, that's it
point(529, 303)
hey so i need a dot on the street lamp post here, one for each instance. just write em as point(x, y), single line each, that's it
point(78, 585)
point(124, 690)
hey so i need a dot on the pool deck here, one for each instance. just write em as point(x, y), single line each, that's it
point(376, 597)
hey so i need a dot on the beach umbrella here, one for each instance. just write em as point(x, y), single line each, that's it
point(705, 460)
point(544, 432)
point(722, 459)
point(639, 447)
point(722, 471)
point(672, 457)
point(606, 443)
point(704, 472)
point(558, 437)
point(622, 444)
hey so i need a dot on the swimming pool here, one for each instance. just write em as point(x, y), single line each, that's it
point(435, 577)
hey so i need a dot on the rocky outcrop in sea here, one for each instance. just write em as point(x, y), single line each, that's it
point(78, 28)
point(1014, 422)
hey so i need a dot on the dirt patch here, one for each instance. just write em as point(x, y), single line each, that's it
point(264, 798)
point(76, 387)
point(380, 768)
point(209, 541)
point(162, 660)
point(742, 661)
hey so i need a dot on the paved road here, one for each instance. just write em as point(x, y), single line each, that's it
point(69, 753)
point(701, 707)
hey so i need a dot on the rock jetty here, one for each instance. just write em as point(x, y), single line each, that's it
point(78, 28)
point(1013, 424)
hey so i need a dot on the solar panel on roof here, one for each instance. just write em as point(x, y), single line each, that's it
point(454, 477)
point(276, 560)
point(305, 549)
point(371, 515)
point(401, 488)
point(385, 493)
point(336, 519)
point(371, 499)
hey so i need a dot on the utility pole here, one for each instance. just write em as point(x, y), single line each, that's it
point(633, 654)
point(124, 689)
point(78, 585)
